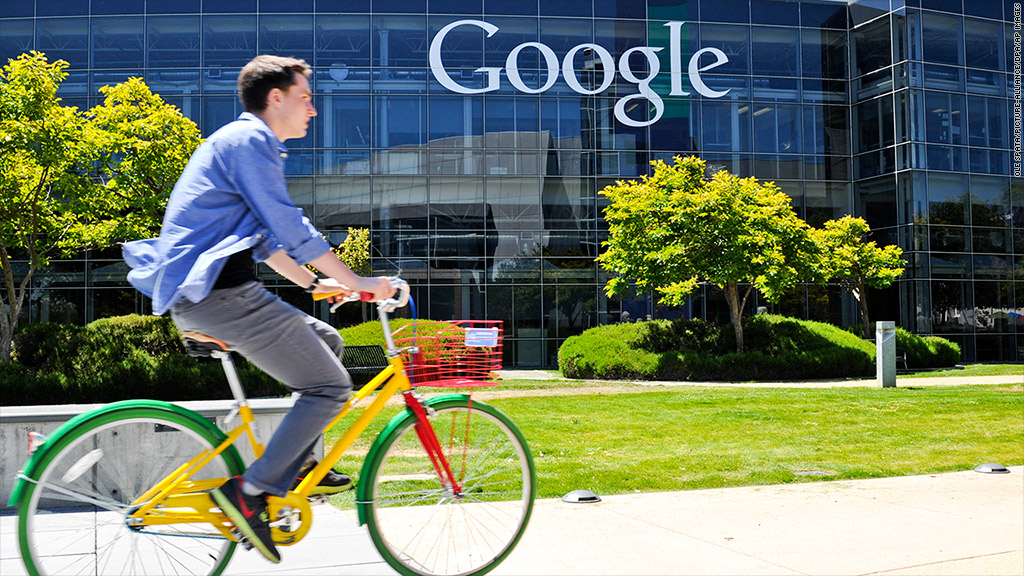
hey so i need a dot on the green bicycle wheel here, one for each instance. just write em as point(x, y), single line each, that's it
point(73, 510)
point(421, 527)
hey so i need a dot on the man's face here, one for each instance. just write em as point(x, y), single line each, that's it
point(296, 109)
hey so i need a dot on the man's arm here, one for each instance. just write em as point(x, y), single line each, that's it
point(340, 277)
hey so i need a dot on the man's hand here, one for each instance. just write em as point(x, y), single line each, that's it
point(380, 287)
point(331, 286)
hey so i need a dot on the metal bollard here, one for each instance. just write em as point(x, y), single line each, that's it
point(885, 353)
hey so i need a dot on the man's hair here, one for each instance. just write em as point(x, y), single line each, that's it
point(264, 73)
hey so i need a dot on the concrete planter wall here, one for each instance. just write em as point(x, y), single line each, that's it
point(17, 421)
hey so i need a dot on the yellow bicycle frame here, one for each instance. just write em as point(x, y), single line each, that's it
point(177, 499)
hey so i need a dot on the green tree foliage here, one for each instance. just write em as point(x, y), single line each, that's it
point(355, 250)
point(72, 180)
point(854, 264)
point(669, 231)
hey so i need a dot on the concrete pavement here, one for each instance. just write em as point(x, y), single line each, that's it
point(943, 524)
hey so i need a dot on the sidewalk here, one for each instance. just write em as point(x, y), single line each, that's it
point(959, 523)
point(956, 523)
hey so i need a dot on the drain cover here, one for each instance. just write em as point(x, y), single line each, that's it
point(581, 497)
point(992, 468)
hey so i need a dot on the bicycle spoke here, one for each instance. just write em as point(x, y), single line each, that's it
point(110, 464)
point(433, 532)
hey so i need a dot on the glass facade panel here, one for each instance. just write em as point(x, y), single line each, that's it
point(942, 39)
point(399, 41)
point(344, 121)
point(229, 41)
point(774, 51)
point(16, 38)
point(899, 112)
point(342, 41)
point(117, 42)
point(872, 47)
point(286, 35)
point(732, 40)
point(983, 41)
point(64, 39)
point(173, 41)
point(342, 201)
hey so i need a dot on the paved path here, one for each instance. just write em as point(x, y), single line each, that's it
point(944, 524)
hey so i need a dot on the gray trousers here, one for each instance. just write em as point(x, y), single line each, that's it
point(302, 352)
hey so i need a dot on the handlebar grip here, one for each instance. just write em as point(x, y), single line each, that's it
point(363, 296)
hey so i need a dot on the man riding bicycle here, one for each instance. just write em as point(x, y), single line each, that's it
point(230, 209)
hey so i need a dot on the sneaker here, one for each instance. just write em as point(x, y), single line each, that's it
point(249, 515)
point(331, 484)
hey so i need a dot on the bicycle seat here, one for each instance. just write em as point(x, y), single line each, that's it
point(199, 345)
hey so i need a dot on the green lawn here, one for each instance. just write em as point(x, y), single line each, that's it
point(973, 370)
point(705, 437)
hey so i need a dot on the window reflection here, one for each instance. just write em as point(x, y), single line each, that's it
point(872, 47)
point(117, 42)
point(65, 39)
point(947, 199)
point(774, 51)
point(734, 41)
point(173, 41)
point(286, 35)
point(342, 201)
point(942, 38)
point(229, 40)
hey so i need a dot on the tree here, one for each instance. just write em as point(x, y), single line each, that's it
point(674, 228)
point(855, 264)
point(355, 250)
point(73, 180)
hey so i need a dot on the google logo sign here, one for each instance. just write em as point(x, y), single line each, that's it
point(715, 58)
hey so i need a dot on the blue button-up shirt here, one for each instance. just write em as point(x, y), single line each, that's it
point(230, 197)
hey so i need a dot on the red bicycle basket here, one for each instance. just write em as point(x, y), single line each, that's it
point(456, 354)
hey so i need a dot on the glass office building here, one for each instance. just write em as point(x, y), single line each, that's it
point(472, 138)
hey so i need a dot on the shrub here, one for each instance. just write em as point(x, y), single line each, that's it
point(776, 348)
point(115, 359)
point(46, 346)
point(922, 351)
point(369, 333)
point(927, 351)
point(20, 385)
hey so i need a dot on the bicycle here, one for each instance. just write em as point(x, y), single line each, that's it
point(447, 487)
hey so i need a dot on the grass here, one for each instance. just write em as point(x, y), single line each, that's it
point(708, 437)
point(972, 370)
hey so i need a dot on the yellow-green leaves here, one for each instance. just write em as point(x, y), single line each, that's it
point(72, 180)
point(675, 228)
point(855, 264)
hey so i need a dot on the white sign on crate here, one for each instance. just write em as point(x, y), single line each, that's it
point(482, 337)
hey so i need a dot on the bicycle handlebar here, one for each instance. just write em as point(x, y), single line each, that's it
point(387, 305)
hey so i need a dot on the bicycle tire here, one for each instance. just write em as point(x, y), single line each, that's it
point(418, 528)
point(106, 460)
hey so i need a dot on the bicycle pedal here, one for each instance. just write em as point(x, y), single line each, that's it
point(319, 499)
point(241, 538)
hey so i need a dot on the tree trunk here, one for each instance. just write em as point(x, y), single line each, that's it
point(732, 297)
point(10, 308)
point(862, 290)
point(6, 335)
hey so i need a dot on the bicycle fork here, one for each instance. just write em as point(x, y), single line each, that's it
point(428, 437)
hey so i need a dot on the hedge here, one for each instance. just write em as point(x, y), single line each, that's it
point(115, 359)
point(131, 357)
point(776, 348)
